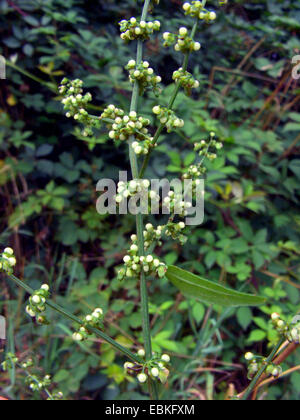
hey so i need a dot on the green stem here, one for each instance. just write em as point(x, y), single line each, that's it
point(139, 220)
point(73, 318)
point(255, 380)
point(170, 104)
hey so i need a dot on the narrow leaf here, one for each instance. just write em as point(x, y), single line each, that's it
point(206, 291)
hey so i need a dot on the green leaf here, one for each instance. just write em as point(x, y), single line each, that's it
point(244, 317)
point(206, 291)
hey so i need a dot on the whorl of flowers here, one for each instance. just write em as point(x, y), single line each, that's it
point(196, 9)
point(37, 305)
point(7, 261)
point(134, 187)
point(168, 118)
point(204, 148)
point(133, 29)
point(124, 127)
point(182, 41)
point(186, 80)
point(291, 331)
point(156, 368)
point(135, 265)
point(93, 320)
point(75, 103)
point(257, 362)
point(145, 76)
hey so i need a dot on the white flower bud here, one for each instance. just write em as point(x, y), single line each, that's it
point(155, 372)
point(142, 378)
point(183, 31)
point(141, 353)
point(166, 358)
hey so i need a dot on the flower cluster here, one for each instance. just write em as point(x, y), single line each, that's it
point(111, 112)
point(10, 361)
point(156, 368)
point(75, 104)
point(182, 41)
point(132, 29)
point(194, 171)
point(291, 331)
point(134, 187)
point(129, 125)
point(145, 76)
point(175, 231)
point(176, 204)
point(257, 362)
point(197, 10)
point(168, 118)
point(204, 148)
point(94, 320)
point(37, 304)
point(7, 261)
point(186, 80)
point(151, 235)
point(36, 384)
point(135, 265)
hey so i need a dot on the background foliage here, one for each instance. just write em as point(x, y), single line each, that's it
point(47, 188)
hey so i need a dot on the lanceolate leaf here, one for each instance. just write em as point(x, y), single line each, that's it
point(206, 291)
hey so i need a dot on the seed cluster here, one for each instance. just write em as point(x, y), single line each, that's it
point(186, 80)
point(156, 368)
point(291, 331)
point(75, 103)
point(204, 148)
point(197, 10)
point(135, 265)
point(37, 305)
point(132, 29)
point(7, 261)
point(257, 362)
point(94, 320)
point(145, 76)
point(182, 41)
point(168, 118)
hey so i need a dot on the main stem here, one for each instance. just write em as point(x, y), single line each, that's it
point(139, 219)
point(170, 104)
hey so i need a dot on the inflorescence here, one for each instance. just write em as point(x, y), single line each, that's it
point(7, 261)
point(133, 29)
point(94, 320)
point(37, 305)
point(156, 368)
point(144, 75)
point(168, 118)
point(75, 103)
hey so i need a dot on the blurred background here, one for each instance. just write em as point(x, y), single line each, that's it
point(48, 174)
